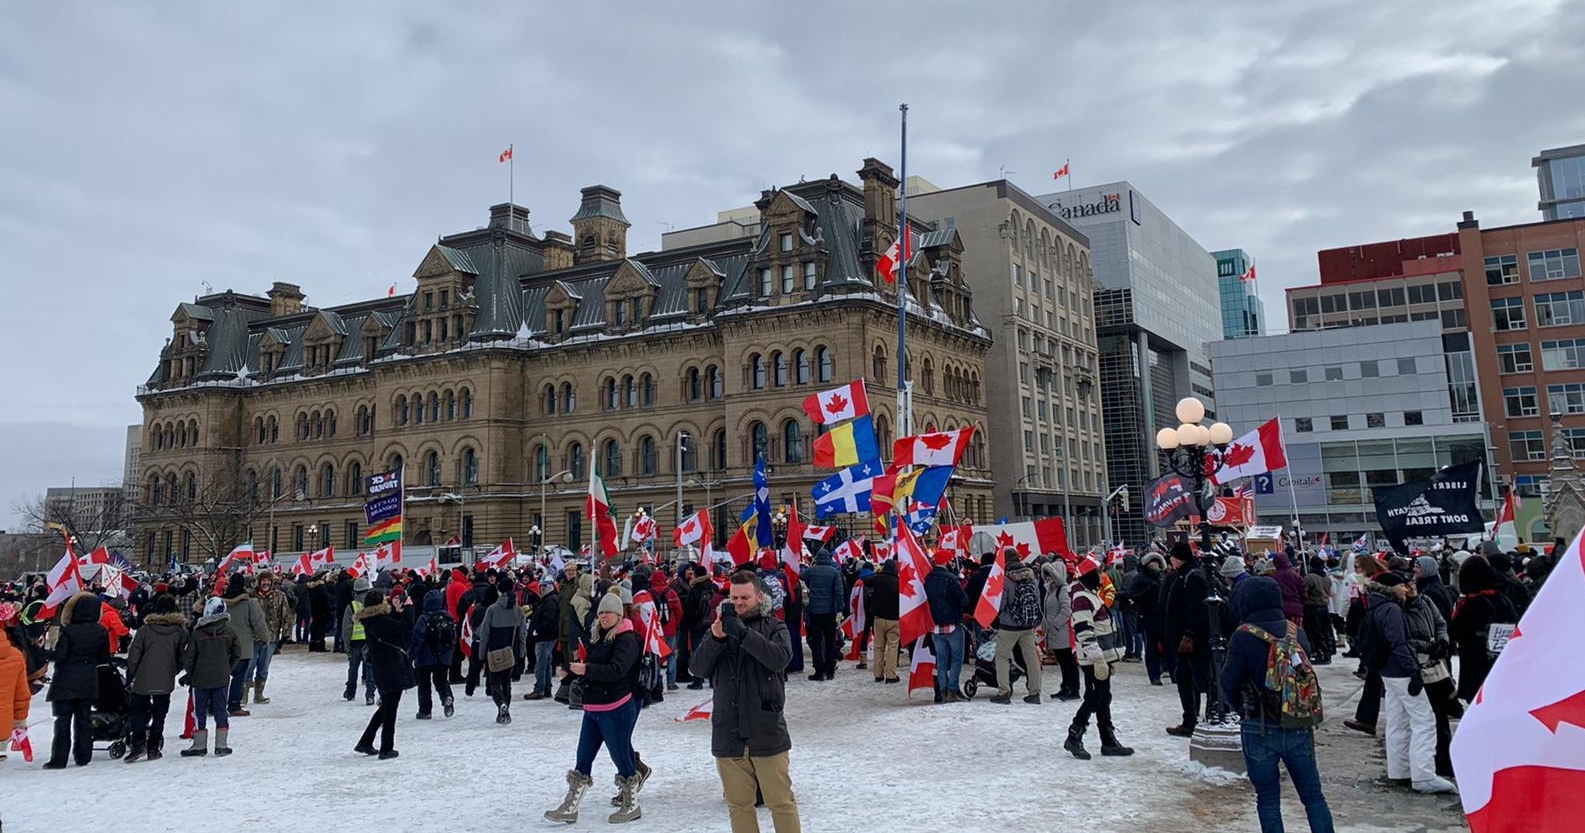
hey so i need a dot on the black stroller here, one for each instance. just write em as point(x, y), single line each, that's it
point(109, 717)
point(985, 667)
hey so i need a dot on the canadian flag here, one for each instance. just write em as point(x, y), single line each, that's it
point(1249, 274)
point(792, 552)
point(888, 263)
point(853, 626)
point(501, 556)
point(913, 619)
point(837, 404)
point(1519, 752)
point(430, 569)
point(941, 448)
point(818, 533)
point(645, 529)
point(20, 743)
point(465, 635)
point(361, 567)
point(1510, 507)
point(955, 539)
point(1029, 538)
point(696, 528)
point(243, 554)
point(387, 555)
point(1257, 452)
point(991, 597)
point(506, 154)
point(851, 548)
point(310, 562)
point(921, 668)
point(699, 712)
point(653, 636)
point(882, 550)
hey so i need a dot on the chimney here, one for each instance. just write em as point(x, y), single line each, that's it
point(510, 217)
point(558, 251)
point(880, 191)
point(285, 298)
point(1469, 221)
point(599, 230)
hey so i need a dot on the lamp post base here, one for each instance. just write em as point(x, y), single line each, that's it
point(1218, 745)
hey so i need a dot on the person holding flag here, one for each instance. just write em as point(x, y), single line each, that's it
point(944, 592)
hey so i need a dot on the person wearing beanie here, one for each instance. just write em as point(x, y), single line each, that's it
point(212, 652)
point(610, 712)
point(388, 630)
point(1518, 595)
point(1021, 612)
point(944, 592)
point(82, 646)
point(1186, 634)
point(352, 635)
point(882, 603)
point(543, 628)
point(434, 641)
point(770, 574)
point(15, 692)
point(1384, 639)
point(505, 637)
point(153, 662)
point(1099, 647)
point(668, 608)
point(1059, 622)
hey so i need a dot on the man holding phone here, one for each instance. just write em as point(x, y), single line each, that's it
point(745, 658)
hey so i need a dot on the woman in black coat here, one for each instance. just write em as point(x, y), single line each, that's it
point(318, 613)
point(1482, 604)
point(388, 631)
point(83, 646)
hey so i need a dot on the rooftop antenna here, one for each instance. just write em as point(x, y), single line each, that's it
point(1003, 173)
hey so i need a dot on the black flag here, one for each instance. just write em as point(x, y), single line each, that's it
point(1446, 504)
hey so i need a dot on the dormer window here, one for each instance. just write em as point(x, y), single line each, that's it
point(429, 301)
point(638, 310)
point(701, 300)
point(811, 276)
point(561, 321)
point(786, 242)
point(621, 314)
point(269, 362)
point(788, 278)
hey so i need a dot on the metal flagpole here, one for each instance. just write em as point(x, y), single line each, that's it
point(905, 422)
point(1293, 497)
point(511, 182)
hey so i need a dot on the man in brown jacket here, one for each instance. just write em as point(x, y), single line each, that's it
point(278, 620)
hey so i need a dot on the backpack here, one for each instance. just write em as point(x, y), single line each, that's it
point(1021, 610)
point(440, 635)
point(1290, 679)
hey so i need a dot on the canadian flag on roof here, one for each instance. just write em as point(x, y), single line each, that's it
point(1519, 752)
point(913, 564)
point(941, 448)
point(1257, 452)
point(837, 404)
point(888, 263)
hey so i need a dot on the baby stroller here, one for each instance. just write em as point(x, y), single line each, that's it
point(985, 667)
point(109, 716)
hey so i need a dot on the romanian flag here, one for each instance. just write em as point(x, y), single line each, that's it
point(847, 445)
point(384, 532)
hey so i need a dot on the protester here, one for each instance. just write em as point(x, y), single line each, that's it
point(153, 662)
point(945, 595)
point(744, 658)
point(1186, 635)
point(1482, 605)
point(434, 642)
point(1058, 622)
point(505, 637)
point(610, 712)
point(1317, 611)
point(1411, 724)
point(277, 610)
point(698, 613)
point(882, 606)
point(543, 628)
point(827, 598)
point(82, 646)
point(351, 636)
point(1145, 590)
point(1428, 636)
point(1245, 682)
point(247, 620)
point(1020, 614)
point(388, 630)
point(1518, 595)
point(212, 653)
point(16, 696)
point(1098, 640)
point(320, 614)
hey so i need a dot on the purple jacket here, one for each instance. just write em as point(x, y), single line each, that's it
point(1292, 586)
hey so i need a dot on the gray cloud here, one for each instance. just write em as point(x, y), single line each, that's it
point(150, 147)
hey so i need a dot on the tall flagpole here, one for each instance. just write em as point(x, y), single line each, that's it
point(511, 182)
point(905, 417)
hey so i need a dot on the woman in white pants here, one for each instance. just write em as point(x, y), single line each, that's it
point(1411, 723)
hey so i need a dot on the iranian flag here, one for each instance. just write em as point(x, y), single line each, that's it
point(991, 597)
point(913, 619)
point(598, 508)
point(1257, 452)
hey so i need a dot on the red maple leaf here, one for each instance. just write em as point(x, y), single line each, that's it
point(1238, 454)
point(1003, 540)
point(905, 580)
point(687, 528)
point(837, 404)
point(936, 442)
point(1023, 551)
point(1570, 709)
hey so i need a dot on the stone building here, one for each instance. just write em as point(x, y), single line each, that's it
point(521, 356)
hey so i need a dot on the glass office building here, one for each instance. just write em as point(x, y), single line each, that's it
point(1560, 175)
point(1243, 315)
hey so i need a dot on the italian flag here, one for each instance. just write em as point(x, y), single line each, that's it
point(598, 507)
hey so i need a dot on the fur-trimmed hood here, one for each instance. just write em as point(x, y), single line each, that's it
point(233, 601)
point(374, 610)
point(81, 608)
point(165, 619)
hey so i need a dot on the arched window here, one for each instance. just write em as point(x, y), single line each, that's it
point(611, 459)
point(192, 486)
point(569, 400)
point(827, 365)
point(397, 464)
point(418, 409)
point(467, 404)
point(300, 482)
point(1045, 246)
point(878, 364)
point(778, 360)
point(470, 467)
point(792, 441)
point(718, 451)
point(613, 397)
point(760, 441)
point(974, 388)
point(927, 377)
point(434, 407)
point(327, 480)
point(883, 435)
point(363, 416)
point(1013, 225)
point(318, 421)
point(646, 386)
point(258, 428)
point(450, 405)
point(253, 486)
point(275, 482)
point(800, 367)
point(690, 453)
point(432, 468)
point(156, 490)
point(193, 432)
point(354, 478)
point(275, 430)
point(550, 400)
point(756, 371)
point(173, 495)
point(575, 462)
point(717, 383)
point(695, 386)
point(302, 427)
point(648, 461)
point(630, 388)
point(1029, 239)
point(541, 463)
point(181, 436)
point(330, 426)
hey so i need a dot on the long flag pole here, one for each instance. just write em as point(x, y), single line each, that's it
point(904, 411)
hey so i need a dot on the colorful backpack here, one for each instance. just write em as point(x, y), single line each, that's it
point(1290, 678)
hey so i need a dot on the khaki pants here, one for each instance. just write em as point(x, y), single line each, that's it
point(1006, 640)
point(740, 777)
point(884, 638)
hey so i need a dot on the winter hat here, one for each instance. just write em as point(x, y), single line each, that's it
point(503, 586)
point(1180, 552)
point(1263, 567)
point(625, 594)
point(1427, 565)
point(611, 602)
point(214, 607)
point(1010, 558)
point(361, 585)
point(1390, 579)
point(1088, 564)
point(1153, 558)
point(1232, 566)
point(398, 590)
point(236, 585)
point(162, 587)
point(942, 557)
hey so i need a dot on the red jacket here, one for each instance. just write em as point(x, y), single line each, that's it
point(661, 590)
point(454, 592)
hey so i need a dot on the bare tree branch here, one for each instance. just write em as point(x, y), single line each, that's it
point(216, 509)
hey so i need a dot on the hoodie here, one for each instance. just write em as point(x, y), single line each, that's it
point(1243, 677)
point(1431, 586)
point(1292, 586)
point(1059, 603)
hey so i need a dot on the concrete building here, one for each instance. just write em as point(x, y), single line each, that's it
point(1361, 408)
point(1243, 313)
point(1560, 176)
point(1156, 308)
point(1030, 272)
point(90, 509)
point(132, 466)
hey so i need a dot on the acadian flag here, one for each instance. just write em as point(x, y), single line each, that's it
point(383, 510)
point(741, 546)
point(847, 445)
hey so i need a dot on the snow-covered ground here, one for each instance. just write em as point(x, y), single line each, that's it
point(864, 757)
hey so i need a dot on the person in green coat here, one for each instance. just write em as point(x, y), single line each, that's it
point(153, 662)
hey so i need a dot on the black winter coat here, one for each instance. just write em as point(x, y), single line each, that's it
point(881, 588)
point(697, 603)
point(1184, 612)
point(827, 593)
point(1145, 590)
point(748, 676)
point(434, 611)
point(611, 671)
point(946, 596)
point(545, 624)
point(387, 634)
point(1384, 637)
point(83, 646)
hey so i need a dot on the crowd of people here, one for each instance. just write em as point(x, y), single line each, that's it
point(610, 643)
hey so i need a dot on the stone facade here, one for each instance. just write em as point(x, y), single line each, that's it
point(519, 357)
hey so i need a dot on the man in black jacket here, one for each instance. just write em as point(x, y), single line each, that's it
point(1186, 636)
point(948, 603)
point(744, 655)
point(883, 605)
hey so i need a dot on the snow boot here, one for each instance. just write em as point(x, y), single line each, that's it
point(258, 693)
point(135, 750)
point(1033, 699)
point(388, 754)
point(1001, 699)
point(450, 708)
point(221, 747)
point(642, 776)
point(368, 698)
point(1075, 744)
point(365, 747)
point(200, 745)
point(241, 711)
point(567, 811)
point(423, 716)
point(627, 807)
point(156, 747)
point(503, 714)
point(941, 696)
point(1109, 745)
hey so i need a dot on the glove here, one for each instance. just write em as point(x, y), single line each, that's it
point(185, 681)
point(1091, 655)
point(1186, 645)
point(1102, 670)
point(1415, 687)
point(733, 626)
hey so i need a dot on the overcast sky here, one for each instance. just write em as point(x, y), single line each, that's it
point(146, 149)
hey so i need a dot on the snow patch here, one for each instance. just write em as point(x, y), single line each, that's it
point(1210, 774)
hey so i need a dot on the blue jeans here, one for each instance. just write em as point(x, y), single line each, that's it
point(263, 652)
point(1264, 745)
point(1133, 639)
point(671, 662)
point(354, 663)
point(614, 729)
point(949, 659)
point(543, 652)
point(240, 674)
point(207, 701)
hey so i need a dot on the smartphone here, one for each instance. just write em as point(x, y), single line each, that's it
point(725, 608)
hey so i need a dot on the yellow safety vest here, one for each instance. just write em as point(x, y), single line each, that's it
point(357, 624)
